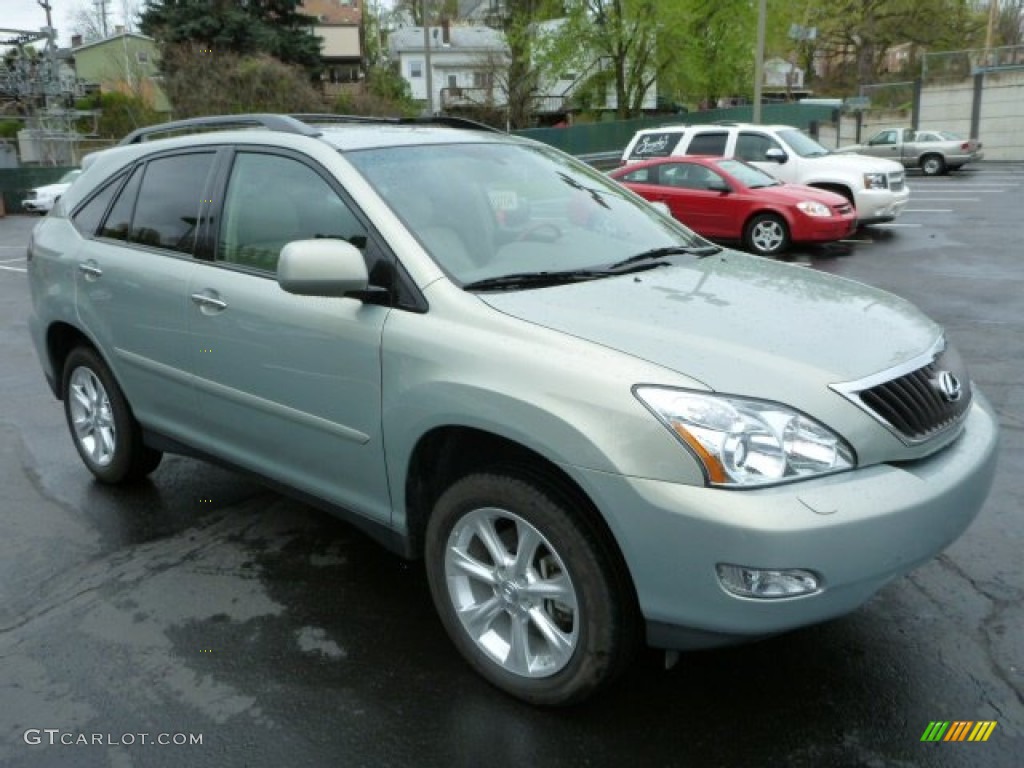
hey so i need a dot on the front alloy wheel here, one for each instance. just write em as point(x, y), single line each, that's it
point(512, 592)
point(528, 588)
point(767, 234)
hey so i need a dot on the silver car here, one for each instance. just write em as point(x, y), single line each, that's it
point(595, 428)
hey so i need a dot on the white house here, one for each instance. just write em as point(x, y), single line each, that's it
point(781, 74)
point(466, 63)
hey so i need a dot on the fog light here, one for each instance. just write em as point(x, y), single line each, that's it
point(765, 583)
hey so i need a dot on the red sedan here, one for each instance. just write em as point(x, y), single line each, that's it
point(727, 199)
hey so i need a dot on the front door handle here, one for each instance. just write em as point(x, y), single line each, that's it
point(208, 302)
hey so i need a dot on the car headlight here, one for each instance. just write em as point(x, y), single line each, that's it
point(742, 442)
point(812, 208)
point(876, 181)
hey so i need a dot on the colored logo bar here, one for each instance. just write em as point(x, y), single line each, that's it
point(958, 730)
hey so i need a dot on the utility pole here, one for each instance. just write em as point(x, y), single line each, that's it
point(762, 12)
point(426, 56)
point(993, 11)
point(101, 9)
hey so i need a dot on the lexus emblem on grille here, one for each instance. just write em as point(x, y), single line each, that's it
point(948, 386)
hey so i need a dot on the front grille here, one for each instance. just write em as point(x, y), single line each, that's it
point(915, 405)
point(918, 400)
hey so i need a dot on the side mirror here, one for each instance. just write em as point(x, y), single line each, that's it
point(719, 185)
point(321, 268)
point(776, 155)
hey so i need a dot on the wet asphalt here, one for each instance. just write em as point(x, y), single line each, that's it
point(201, 604)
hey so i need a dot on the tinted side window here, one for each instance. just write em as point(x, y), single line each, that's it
point(753, 146)
point(87, 218)
point(639, 176)
point(708, 143)
point(119, 220)
point(655, 145)
point(167, 214)
point(272, 200)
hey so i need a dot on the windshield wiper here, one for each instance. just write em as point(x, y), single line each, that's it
point(533, 280)
point(700, 251)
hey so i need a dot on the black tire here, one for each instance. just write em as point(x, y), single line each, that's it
point(107, 437)
point(933, 165)
point(766, 234)
point(594, 617)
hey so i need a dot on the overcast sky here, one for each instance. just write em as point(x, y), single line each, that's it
point(26, 14)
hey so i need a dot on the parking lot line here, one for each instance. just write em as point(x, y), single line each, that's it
point(927, 210)
point(13, 269)
point(893, 226)
point(917, 196)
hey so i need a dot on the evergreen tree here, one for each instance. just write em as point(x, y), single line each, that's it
point(271, 27)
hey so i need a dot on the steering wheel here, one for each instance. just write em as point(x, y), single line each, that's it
point(545, 232)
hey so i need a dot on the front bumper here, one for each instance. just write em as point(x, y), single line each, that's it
point(877, 206)
point(856, 530)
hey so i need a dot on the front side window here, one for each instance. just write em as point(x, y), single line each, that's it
point(753, 147)
point(171, 194)
point(272, 200)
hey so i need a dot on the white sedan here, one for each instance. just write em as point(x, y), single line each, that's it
point(41, 199)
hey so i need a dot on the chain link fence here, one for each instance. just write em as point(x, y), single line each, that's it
point(947, 66)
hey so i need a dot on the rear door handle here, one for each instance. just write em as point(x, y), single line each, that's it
point(90, 269)
point(209, 303)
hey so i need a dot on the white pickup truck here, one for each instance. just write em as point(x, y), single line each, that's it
point(875, 186)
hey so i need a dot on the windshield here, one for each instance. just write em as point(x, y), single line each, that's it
point(489, 210)
point(802, 144)
point(747, 175)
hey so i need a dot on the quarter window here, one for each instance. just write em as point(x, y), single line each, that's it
point(273, 200)
point(87, 219)
point(119, 220)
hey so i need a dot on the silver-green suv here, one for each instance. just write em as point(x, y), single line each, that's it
point(594, 427)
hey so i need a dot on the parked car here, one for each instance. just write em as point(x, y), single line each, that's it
point(594, 427)
point(934, 152)
point(41, 199)
point(727, 199)
point(876, 187)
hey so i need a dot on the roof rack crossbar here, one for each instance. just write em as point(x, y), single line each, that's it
point(282, 123)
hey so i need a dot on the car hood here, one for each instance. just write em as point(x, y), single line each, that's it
point(737, 323)
point(848, 158)
point(796, 193)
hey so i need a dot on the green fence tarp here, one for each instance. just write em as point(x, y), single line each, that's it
point(589, 138)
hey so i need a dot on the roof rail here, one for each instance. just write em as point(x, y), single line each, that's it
point(445, 120)
point(283, 123)
point(725, 122)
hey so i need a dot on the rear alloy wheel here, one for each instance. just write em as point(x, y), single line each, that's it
point(766, 234)
point(102, 427)
point(933, 165)
point(527, 590)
